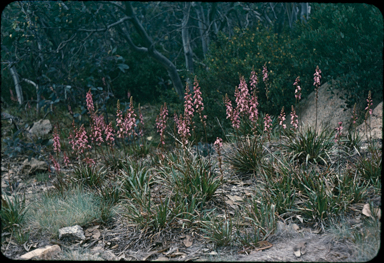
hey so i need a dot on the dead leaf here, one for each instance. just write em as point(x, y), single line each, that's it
point(300, 249)
point(377, 212)
point(366, 210)
point(161, 258)
point(229, 202)
point(235, 198)
point(300, 218)
point(96, 234)
point(295, 227)
point(188, 241)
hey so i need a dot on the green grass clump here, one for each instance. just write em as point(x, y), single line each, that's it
point(13, 212)
point(309, 145)
point(247, 155)
point(74, 207)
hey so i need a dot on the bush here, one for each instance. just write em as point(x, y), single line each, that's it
point(346, 41)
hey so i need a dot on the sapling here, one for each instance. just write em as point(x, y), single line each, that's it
point(316, 83)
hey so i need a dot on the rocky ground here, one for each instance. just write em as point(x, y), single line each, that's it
point(119, 240)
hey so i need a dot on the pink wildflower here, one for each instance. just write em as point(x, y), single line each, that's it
point(232, 114)
point(188, 106)
point(218, 144)
point(56, 141)
point(109, 137)
point(56, 164)
point(267, 122)
point(183, 129)
point(265, 73)
point(97, 127)
point(130, 120)
point(294, 119)
point(267, 125)
point(298, 89)
point(282, 118)
point(198, 101)
point(119, 121)
point(253, 80)
point(89, 101)
point(317, 77)
point(370, 103)
point(66, 159)
point(242, 97)
point(79, 141)
point(253, 111)
point(338, 132)
point(161, 122)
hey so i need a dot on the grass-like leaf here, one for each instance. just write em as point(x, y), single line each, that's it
point(309, 145)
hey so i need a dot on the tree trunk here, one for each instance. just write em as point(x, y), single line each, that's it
point(151, 50)
point(202, 22)
point(188, 53)
point(16, 80)
point(37, 95)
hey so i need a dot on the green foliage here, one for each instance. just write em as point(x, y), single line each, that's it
point(74, 207)
point(279, 186)
point(247, 155)
point(91, 176)
point(231, 57)
point(219, 231)
point(309, 146)
point(346, 41)
point(190, 175)
point(13, 211)
point(262, 215)
point(16, 146)
point(370, 167)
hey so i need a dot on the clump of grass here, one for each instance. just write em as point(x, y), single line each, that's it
point(75, 207)
point(279, 185)
point(261, 214)
point(80, 254)
point(13, 212)
point(370, 167)
point(247, 155)
point(219, 231)
point(190, 175)
point(309, 146)
point(91, 176)
point(366, 237)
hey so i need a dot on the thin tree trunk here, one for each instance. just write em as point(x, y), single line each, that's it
point(37, 95)
point(188, 53)
point(151, 50)
point(202, 28)
point(16, 80)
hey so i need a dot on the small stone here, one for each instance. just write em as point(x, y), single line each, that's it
point(44, 253)
point(72, 233)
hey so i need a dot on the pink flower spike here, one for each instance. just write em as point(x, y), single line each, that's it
point(89, 102)
point(218, 144)
point(56, 141)
point(161, 122)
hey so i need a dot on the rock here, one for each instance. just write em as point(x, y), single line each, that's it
point(46, 253)
point(72, 233)
point(33, 166)
point(376, 124)
point(41, 127)
point(330, 109)
point(108, 255)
